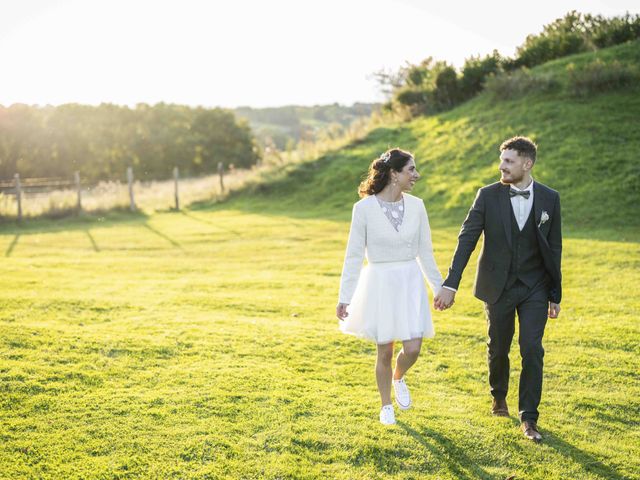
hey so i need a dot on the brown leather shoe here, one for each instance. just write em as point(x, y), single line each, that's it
point(530, 430)
point(499, 407)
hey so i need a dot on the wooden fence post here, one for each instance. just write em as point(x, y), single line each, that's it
point(76, 178)
point(221, 173)
point(175, 180)
point(16, 178)
point(132, 203)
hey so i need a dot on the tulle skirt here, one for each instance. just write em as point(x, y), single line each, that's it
point(390, 303)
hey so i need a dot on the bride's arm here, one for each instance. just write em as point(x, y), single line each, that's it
point(425, 254)
point(354, 255)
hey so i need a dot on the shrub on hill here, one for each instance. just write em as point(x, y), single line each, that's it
point(575, 33)
point(433, 86)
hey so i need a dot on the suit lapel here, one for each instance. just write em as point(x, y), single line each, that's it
point(538, 201)
point(538, 204)
point(505, 211)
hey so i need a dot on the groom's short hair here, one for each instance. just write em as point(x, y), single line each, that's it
point(523, 145)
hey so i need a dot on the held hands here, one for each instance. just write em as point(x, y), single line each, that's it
point(444, 299)
point(554, 310)
point(341, 311)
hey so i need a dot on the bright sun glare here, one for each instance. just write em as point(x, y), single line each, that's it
point(244, 52)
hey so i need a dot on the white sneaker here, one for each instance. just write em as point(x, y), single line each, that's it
point(403, 398)
point(387, 416)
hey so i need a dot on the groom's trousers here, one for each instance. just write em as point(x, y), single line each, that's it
point(532, 306)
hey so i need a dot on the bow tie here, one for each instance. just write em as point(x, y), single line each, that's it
point(524, 193)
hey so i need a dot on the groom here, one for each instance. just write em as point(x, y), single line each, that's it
point(518, 271)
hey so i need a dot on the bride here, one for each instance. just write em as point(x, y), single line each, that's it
point(387, 301)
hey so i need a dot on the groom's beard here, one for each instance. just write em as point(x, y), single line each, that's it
point(511, 180)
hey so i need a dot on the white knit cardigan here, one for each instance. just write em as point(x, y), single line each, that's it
point(373, 235)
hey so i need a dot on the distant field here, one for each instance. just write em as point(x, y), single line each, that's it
point(202, 344)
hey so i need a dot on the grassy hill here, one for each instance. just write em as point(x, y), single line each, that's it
point(203, 344)
point(588, 148)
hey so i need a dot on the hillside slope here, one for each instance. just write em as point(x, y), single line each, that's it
point(587, 151)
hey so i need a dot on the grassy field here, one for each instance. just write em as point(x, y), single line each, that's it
point(203, 344)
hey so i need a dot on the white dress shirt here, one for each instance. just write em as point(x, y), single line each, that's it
point(522, 206)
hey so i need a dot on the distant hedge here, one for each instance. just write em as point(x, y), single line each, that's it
point(575, 33)
point(433, 86)
point(101, 141)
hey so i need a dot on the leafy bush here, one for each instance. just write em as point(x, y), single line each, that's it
point(575, 33)
point(614, 31)
point(476, 70)
point(565, 36)
point(411, 96)
point(447, 93)
point(428, 87)
point(598, 76)
point(433, 86)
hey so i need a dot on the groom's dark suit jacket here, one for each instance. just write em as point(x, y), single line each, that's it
point(491, 213)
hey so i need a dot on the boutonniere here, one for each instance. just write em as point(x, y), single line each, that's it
point(543, 218)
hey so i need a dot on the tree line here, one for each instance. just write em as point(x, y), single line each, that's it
point(102, 141)
point(283, 127)
point(433, 86)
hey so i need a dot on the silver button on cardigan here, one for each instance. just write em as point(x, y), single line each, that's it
point(372, 236)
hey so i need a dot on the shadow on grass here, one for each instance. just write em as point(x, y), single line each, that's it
point(83, 224)
point(586, 460)
point(459, 463)
point(217, 225)
point(95, 246)
point(162, 235)
point(590, 463)
point(113, 218)
point(12, 245)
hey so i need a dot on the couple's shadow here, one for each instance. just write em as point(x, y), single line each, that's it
point(459, 463)
point(464, 467)
point(586, 460)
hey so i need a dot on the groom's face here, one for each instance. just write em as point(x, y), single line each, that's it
point(513, 166)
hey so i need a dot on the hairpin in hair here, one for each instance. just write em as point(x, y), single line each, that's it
point(385, 157)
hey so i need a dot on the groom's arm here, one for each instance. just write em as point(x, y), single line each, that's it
point(555, 243)
point(467, 240)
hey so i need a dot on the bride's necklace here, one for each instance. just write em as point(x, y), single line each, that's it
point(394, 211)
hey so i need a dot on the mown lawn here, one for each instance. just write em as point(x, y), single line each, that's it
point(203, 344)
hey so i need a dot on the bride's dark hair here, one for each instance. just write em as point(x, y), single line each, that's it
point(380, 170)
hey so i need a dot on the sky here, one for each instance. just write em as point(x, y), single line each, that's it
point(248, 52)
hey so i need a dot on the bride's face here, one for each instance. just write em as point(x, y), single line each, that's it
point(407, 177)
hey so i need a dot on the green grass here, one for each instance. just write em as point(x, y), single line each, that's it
point(203, 345)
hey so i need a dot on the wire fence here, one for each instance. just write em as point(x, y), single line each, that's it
point(53, 197)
